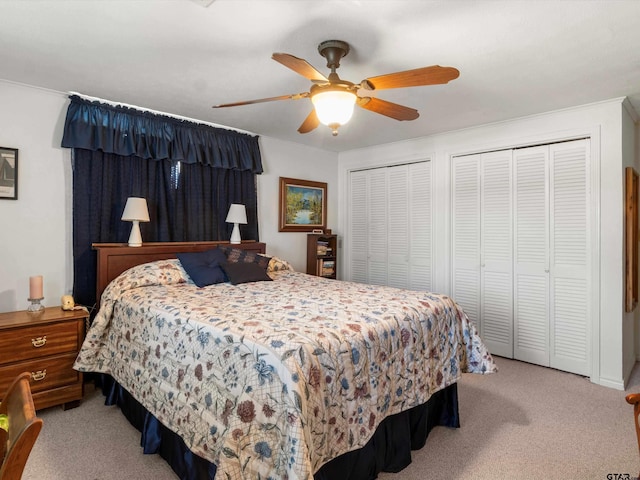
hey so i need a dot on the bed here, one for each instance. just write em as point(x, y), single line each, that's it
point(287, 377)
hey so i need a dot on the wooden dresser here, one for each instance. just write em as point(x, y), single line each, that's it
point(45, 344)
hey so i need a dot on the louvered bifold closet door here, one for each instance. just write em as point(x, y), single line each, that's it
point(531, 255)
point(377, 223)
point(398, 226)
point(570, 256)
point(420, 239)
point(496, 294)
point(466, 234)
point(358, 227)
point(389, 240)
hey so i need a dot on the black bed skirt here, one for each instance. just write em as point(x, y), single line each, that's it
point(389, 450)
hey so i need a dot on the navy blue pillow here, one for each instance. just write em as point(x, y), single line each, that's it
point(245, 272)
point(204, 267)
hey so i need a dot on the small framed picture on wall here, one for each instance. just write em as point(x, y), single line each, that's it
point(8, 173)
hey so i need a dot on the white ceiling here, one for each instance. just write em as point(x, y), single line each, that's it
point(515, 58)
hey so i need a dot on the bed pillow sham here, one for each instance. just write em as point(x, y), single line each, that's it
point(238, 255)
point(245, 272)
point(204, 267)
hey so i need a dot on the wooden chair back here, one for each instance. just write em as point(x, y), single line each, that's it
point(634, 399)
point(24, 428)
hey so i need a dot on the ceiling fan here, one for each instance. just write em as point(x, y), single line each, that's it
point(334, 98)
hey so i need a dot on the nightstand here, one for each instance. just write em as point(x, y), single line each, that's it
point(45, 344)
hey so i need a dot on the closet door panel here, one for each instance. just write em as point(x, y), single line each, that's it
point(496, 253)
point(466, 235)
point(377, 231)
point(531, 254)
point(570, 256)
point(358, 229)
point(398, 226)
point(532, 328)
point(420, 239)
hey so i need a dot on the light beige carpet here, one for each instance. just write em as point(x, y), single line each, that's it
point(525, 422)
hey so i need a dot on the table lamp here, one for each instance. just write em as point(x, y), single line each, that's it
point(237, 214)
point(135, 211)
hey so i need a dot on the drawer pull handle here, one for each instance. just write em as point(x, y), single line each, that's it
point(39, 375)
point(39, 342)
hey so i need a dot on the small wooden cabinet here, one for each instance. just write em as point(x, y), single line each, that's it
point(322, 255)
point(45, 344)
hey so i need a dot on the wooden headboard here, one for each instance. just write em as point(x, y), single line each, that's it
point(115, 258)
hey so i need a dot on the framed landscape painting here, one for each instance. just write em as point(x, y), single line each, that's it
point(303, 205)
point(8, 173)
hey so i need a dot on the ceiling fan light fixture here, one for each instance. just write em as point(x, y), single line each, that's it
point(334, 99)
point(334, 107)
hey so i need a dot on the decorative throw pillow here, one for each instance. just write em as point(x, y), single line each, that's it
point(238, 255)
point(204, 267)
point(245, 272)
point(278, 264)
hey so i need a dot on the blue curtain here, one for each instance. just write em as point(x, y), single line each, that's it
point(96, 126)
point(187, 200)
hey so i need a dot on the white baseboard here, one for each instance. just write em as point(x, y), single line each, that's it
point(608, 382)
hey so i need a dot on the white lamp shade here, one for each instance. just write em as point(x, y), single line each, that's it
point(136, 209)
point(334, 107)
point(237, 214)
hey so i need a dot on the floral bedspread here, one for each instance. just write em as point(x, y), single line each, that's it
point(273, 379)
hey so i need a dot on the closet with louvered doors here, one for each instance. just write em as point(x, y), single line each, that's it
point(483, 245)
point(521, 251)
point(389, 232)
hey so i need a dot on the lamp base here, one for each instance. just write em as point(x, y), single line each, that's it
point(135, 239)
point(235, 234)
point(35, 306)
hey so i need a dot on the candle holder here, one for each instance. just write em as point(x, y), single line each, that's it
point(35, 306)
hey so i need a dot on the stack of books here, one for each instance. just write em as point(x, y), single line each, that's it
point(322, 248)
point(328, 268)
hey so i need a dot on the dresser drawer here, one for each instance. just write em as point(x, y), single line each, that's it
point(39, 341)
point(46, 373)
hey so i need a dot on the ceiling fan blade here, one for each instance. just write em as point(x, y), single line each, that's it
point(299, 66)
point(389, 109)
point(295, 96)
point(433, 75)
point(310, 123)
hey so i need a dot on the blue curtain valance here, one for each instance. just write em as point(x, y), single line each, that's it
point(125, 131)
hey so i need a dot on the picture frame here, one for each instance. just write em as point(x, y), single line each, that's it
point(303, 205)
point(631, 239)
point(8, 173)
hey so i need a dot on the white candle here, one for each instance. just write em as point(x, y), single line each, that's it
point(35, 287)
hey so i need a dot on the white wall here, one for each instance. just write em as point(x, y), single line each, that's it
point(35, 232)
point(603, 123)
point(286, 159)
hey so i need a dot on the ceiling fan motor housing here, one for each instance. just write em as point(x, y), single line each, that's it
point(333, 51)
